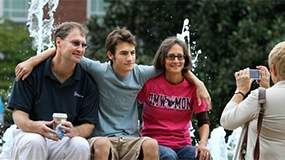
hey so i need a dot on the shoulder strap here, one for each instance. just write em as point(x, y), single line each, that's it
point(261, 101)
point(244, 145)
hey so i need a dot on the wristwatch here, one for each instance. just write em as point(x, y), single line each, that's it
point(239, 92)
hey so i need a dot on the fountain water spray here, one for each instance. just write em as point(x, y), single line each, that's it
point(185, 37)
point(185, 34)
point(41, 29)
point(217, 144)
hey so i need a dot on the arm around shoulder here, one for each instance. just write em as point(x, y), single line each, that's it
point(24, 69)
point(202, 92)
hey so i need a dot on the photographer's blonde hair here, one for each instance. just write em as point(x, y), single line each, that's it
point(277, 58)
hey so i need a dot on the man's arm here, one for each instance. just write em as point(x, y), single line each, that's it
point(24, 69)
point(23, 121)
point(201, 91)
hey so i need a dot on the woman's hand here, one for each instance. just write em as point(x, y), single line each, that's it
point(243, 81)
point(265, 77)
point(205, 153)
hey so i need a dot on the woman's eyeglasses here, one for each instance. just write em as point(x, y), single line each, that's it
point(172, 56)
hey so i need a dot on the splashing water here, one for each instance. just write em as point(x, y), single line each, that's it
point(41, 29)
point(185, 37)
point(217, 144)
point(221, 150)
point(185, 34)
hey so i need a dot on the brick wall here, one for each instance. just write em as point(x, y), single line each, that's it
point(70, 10)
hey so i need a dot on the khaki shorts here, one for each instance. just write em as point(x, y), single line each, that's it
point(123, 148)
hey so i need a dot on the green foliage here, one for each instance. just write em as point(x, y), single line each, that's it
point(240, 34)
point(15, 46)
point(231, 35)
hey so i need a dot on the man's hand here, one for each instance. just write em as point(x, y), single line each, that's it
point(70, 131)
point(41, 127)
point(23, 121)
point(83, 130)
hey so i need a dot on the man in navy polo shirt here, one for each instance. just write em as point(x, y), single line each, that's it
point(57, 85)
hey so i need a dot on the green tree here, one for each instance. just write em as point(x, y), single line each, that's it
point(230, 35)
point(15, 46)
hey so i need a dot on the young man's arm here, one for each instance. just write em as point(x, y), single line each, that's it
point(201, 91)
point(23, 69)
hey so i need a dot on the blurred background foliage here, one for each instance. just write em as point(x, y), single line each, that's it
point(231, 35)
point(15, 46)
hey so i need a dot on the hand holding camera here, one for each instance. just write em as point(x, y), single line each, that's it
point(243, 80)
point(245, 77)
point(265, 77)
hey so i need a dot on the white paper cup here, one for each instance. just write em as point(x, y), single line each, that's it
point(57, 117)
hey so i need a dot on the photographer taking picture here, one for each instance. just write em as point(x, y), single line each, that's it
point(245, 112)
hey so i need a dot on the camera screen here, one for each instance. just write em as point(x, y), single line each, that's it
point(255, 74)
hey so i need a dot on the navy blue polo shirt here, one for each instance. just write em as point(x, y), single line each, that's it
point(41, 94)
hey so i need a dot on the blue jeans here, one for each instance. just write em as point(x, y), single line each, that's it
point(185, 153)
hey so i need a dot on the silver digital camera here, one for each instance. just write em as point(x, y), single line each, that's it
point(254, 74)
